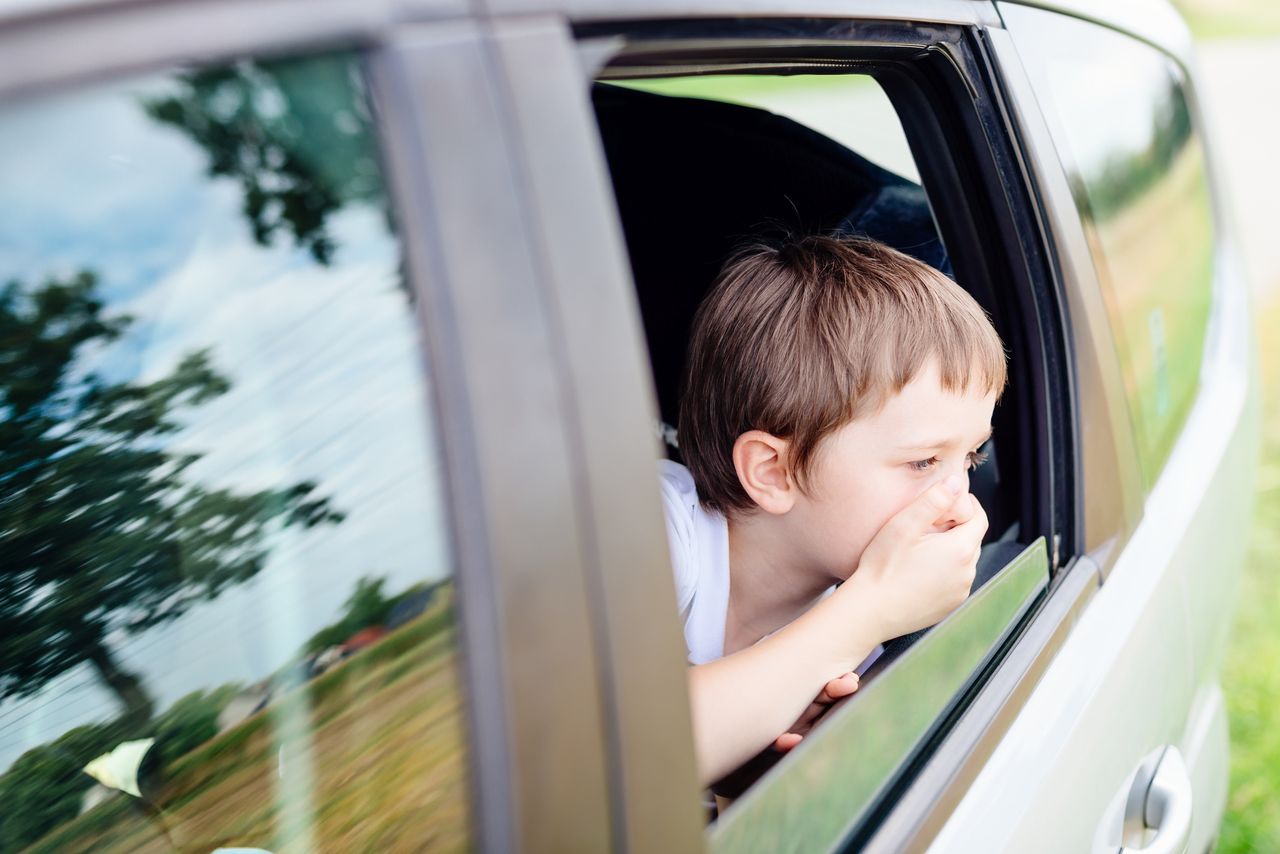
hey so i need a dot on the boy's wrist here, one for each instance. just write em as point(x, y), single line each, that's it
point(862, 597)
point(851, 627)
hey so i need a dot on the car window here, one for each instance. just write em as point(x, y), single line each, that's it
point(698, 164)
point(225, 577)
point(1120, 118)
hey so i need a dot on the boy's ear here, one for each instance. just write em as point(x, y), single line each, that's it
point(762, 462)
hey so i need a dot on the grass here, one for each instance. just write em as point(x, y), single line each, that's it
point(324, 768)
point(1252, 676)
point(1160, 273)
point(1228, 19)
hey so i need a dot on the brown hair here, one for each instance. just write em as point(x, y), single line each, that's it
point(799, 337)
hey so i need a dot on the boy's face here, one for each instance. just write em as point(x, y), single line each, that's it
point(873, 467)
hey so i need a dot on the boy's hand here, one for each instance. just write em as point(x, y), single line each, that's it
point(841, 686)
point(920, 566)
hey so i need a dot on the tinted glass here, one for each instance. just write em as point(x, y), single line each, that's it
point(224, 574)
point(1121, 120)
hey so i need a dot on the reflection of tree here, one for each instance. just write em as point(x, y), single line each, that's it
point(1127, 174)
point(367, 606)
point(44, 787)
point(294, 134)
point(103, 536)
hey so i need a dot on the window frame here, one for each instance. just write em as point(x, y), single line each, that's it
point(926, 70)
point(949, 62)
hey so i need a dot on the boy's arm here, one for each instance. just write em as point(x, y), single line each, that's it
point(743, 701)
point(909, 577)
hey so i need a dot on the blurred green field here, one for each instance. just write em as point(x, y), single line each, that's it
point(352, 785)
point(1252, 677)
point(1217, 19)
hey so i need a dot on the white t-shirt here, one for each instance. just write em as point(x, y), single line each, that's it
point(699, 543)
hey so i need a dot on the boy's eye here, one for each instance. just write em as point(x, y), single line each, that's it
point(923, 465)
point(975, 459)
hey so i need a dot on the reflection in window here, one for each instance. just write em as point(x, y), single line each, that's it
point(1141, 186)
point(224, 576)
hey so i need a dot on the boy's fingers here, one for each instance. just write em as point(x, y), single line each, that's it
point(930, 505)
point(976, 524)
point(786, 741)
point(964, 508)
point(842, 686)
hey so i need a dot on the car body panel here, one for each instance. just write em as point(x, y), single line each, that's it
point(1123, 683)
point(1135, 672)
point(52, 44)
point(512, 456)
point(592, 303)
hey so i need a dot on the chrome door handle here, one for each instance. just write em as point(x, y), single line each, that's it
point(1161, 802)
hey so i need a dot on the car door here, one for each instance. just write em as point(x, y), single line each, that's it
point(1013, 628)
point(351, 535)
point(1136, 683)
point(1097, 678)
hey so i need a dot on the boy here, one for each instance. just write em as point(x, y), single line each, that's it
point(837, 394)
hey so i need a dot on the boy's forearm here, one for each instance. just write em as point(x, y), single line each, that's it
point(742, 702)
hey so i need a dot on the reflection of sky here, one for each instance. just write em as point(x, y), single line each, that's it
point(1104, 84)
point(324, 373)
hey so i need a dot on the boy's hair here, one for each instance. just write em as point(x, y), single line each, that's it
point(801, 336)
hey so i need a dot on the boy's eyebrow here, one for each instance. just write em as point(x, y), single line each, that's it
point(945, 442)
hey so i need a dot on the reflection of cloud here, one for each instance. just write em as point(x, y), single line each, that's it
point(325, 387)
point(1105, 85)
point(93, 186)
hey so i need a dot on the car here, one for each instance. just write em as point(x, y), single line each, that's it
point(329, 320)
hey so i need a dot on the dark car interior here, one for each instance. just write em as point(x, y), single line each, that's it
point(694, 178)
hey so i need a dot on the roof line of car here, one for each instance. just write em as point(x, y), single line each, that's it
point(1155, 21)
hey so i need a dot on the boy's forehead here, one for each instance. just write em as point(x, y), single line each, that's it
point(943, 440)
point(925, 415)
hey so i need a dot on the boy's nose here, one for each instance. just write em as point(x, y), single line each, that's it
point(958, 513)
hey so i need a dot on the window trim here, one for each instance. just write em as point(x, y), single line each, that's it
point(540, 772)
point(957, 59)
point(653, 790)
point(79, 42)
point(926, 70)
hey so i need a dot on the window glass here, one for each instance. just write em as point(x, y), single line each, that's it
point(224, 571)
point(1122, 122)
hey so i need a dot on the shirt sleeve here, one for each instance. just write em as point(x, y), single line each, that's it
point(679, 501)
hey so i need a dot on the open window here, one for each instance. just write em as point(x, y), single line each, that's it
point(715, 132)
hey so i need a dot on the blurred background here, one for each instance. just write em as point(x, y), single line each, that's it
point(1238, 44)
